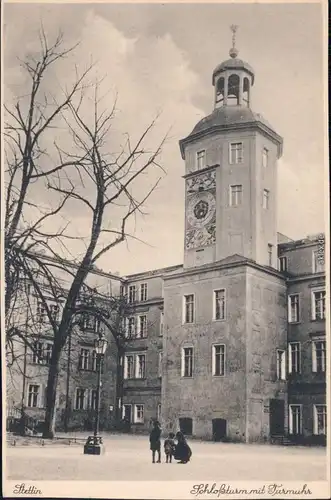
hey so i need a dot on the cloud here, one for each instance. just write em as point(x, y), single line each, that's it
point(150, 79)
point(168, 74)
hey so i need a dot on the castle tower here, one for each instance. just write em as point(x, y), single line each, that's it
point(231, 174)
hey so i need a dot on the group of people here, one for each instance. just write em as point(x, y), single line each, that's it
point(180, 450)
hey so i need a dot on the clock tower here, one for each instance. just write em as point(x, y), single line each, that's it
point(231, 174)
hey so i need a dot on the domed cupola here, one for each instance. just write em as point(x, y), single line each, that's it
point(233, 79)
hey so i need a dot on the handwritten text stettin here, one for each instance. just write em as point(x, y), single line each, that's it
point(23, 489)
point(273, 489)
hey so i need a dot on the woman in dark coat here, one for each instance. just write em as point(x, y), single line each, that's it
point(155, 441)
point(182, 452)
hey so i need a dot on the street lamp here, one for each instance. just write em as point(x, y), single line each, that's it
point(94, 445)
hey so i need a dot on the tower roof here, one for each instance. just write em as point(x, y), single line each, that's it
point(227, 118)
point(233, 64)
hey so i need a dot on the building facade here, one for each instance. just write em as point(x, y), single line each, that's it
point(231, 344)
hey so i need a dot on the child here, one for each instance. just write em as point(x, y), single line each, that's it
point(155, 441)
point(169, 446)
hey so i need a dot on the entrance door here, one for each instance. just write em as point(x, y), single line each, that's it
point(127, 410)
point(186, 426)
point(276, 417)
point(219, 429)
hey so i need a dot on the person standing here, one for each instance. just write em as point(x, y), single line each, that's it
point(169, 447)
point(155, 441)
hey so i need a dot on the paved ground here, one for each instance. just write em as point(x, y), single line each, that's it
point(129, 458)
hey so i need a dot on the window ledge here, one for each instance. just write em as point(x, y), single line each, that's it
point(294, 322)
point(317, 320)
point(135, 378)
point(218, 376)
point(219, 320)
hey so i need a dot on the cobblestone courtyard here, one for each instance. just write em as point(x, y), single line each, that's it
point(129, 458)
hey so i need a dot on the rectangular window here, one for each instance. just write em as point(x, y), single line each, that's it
point(143, 292)
point(131, 327)
point(236, 152)
point(37, 355)
point(266, 196)
point(159, 412)
point(140, 366)
point(187, 362)
point(33, 395)
point(81, 399)
point(265, 157)
point(122, 290)
point(282, 264)
point(281, 364)
point(319, 356)
point(201, 159)
point(41, 312)
point(54, 311)
point(189, 308)
point(99, 326)
point(219, 304)
point(294, 359)
point(93, 401)
point(161, 323)
point(160, 364)
point(218, 360)
point(318, 261)
point(320, 420)
point(128, 366)
point(293, 308)
point(138, 414)
point(295, 420)
point(84, 359)
point(48, 353)
point(142, 332)
point(269, 254)
point(318, 304)
point(89, 322)
point(132, 294)
point(236, 195)
point(94, 363)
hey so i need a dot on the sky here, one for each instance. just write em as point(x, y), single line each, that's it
point(160, 58)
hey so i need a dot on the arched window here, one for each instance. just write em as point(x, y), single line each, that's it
point(220, 92)
point(233, 90)
point(246, 91)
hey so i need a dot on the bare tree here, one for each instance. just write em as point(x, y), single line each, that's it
point(99, 182)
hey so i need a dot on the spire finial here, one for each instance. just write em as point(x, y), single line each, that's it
point(233, 51)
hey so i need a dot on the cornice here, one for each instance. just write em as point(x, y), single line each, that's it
point(226, 265)
point(201, 171)
point(253, 125)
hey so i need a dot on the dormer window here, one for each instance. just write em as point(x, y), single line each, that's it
point(201, 159)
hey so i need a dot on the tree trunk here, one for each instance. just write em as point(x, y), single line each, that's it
point(49, 428)
point(119, 383)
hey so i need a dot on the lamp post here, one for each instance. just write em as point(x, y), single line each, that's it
point(94, 445)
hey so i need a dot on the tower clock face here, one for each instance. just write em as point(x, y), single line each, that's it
point(201, 209)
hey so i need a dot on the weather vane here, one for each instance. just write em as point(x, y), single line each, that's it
point(233, 50)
